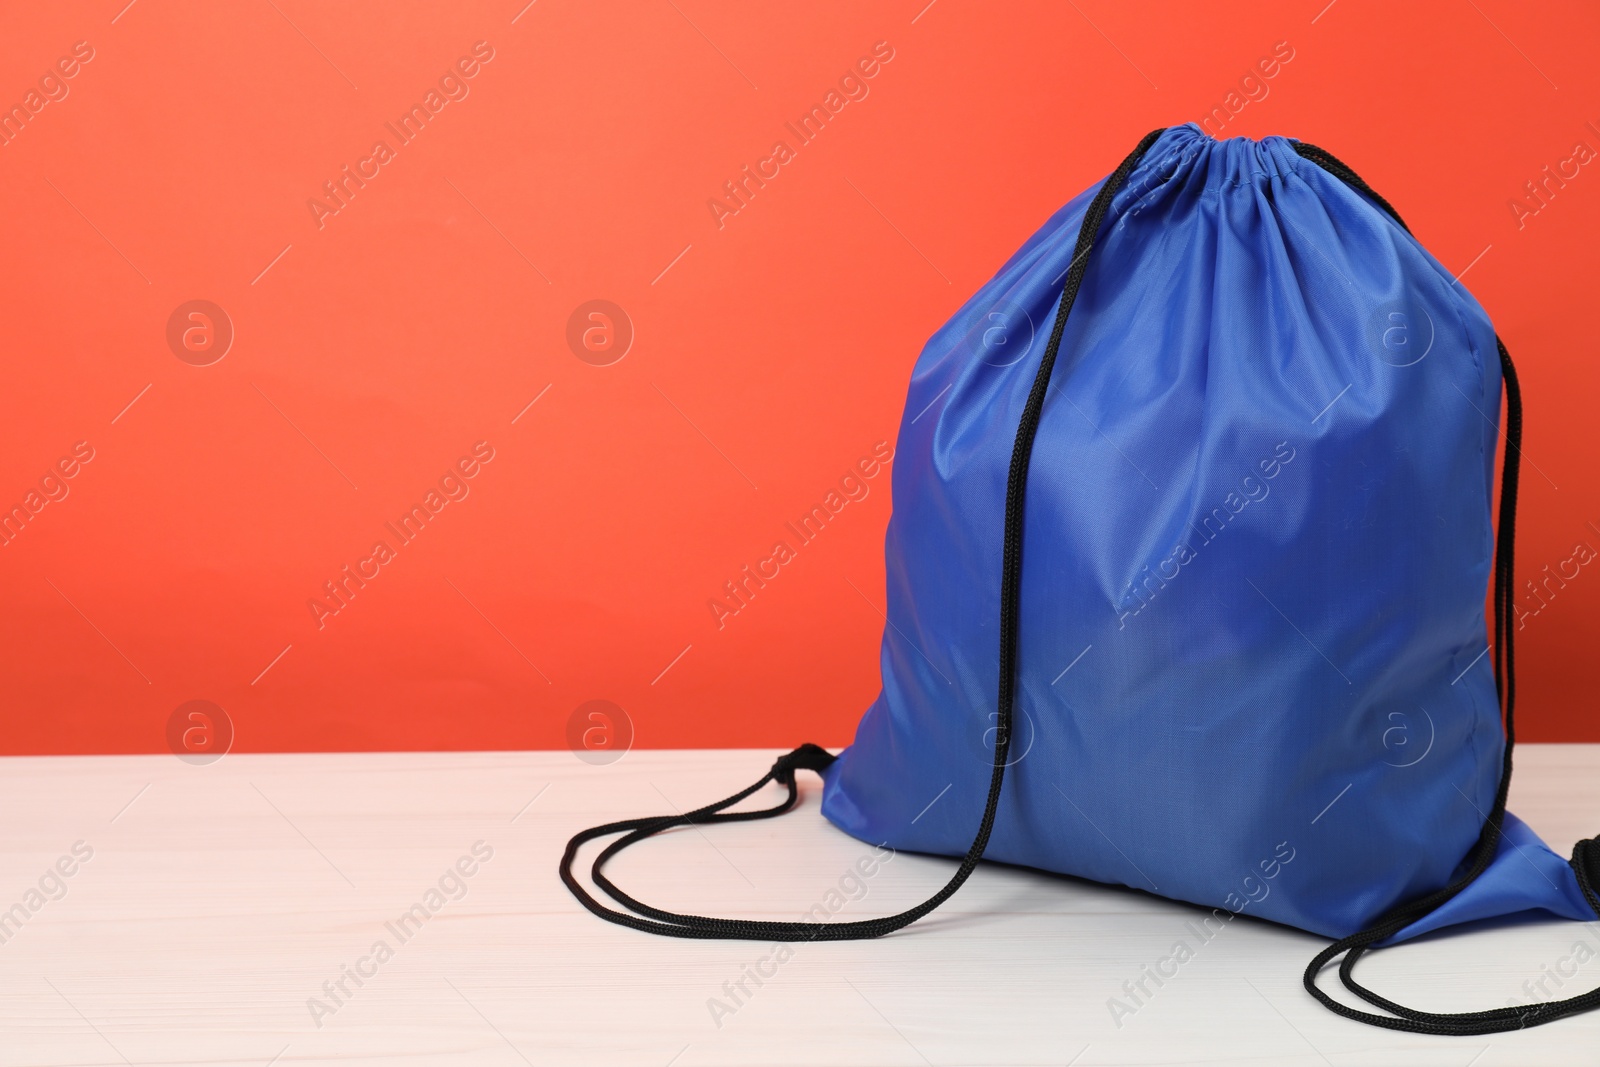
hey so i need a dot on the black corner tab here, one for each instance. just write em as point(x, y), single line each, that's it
point(807, 757)
point(1586, 865)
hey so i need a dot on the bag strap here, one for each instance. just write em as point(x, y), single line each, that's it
point(811, 757)
point(1585, 855)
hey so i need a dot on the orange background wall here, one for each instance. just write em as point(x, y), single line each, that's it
point(375, 346)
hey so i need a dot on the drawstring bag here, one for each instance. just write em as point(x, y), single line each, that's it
point(1238, 501)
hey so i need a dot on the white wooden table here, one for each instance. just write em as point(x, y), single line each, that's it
point(218, 900)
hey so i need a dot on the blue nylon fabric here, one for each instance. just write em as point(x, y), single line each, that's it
point(1257, 543)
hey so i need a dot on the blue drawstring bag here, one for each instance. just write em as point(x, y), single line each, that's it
point(1210, 464)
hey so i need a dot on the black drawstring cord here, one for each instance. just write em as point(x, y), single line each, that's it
point(1585, 856)
point(810, 757)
